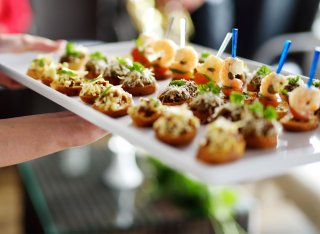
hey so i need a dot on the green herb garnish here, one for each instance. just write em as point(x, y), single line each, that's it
point(39, 61)
point(237, 98)
point(205, 55)
point(92, 80)
point(209, 87)
point(98, 56)
point(263, 71)
point(257, 108)
point(293, 80)
point(71, 50)
point(270, 113)
point(66, 72)
point(316, 83)
point(285, 92)
point(177, 71)
point(177, 83)
point(136, 67)
point(122, 61)
point(106, 91)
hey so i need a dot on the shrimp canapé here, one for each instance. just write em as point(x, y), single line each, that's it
point(164, 51)
point(185, 61)
point(270, 87)
point(304, 102)
point(232, 75)
point(209, 70)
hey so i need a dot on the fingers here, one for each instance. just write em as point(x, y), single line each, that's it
point(7, 82)
point(24, 42)
point(30, 43)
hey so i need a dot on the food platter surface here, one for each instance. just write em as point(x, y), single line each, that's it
point(293, 149)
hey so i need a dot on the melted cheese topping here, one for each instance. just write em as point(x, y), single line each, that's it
point(114, 68)
point(146, 105)
point(222, 135)
point(176, 121)
point(50, 71)
point(93, 88)
point(97, 65)
point(205, 101)
point(174, 93)
point(41, 62)
point(140, 79)
point(258, 126)
point(236, 112)
point(115, 99)
point(69, 80)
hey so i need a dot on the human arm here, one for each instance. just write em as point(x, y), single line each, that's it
point(27, 138)
point(21, 43)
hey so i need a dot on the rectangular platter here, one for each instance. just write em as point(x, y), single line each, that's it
point(294, 149)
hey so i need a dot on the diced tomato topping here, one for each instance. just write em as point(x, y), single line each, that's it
point(179, 76)
point(266, 101)
point(227, 91)
point(200, 78)
point(160, 71)
point(139, 57)
point(298, 116)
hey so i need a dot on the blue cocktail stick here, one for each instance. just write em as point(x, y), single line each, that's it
point(283, 55)
point(234, 42)
point(313, 68)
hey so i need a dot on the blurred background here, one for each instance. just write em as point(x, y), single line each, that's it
point(88, 190)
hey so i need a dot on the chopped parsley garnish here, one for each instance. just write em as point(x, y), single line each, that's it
point(136, 67)
point(177, 83)
point(205, 55)
point(93, 80)
point(39, 61)
point(98, 56)
point(263, 71)
point(285, 92)
point(237, 98)
point(66, 72)
point(71, 50)
point(122, 61)
point(293, 80)
point(106, 91)
point(268, 112)
point(209, 87)
point(316, 83)
point(257, 108)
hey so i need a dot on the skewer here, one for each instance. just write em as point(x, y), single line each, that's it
point(171, 20)
point(284, 54)
point(234, 42)
point(224, 44)
point(182, 32)
point(314, 64)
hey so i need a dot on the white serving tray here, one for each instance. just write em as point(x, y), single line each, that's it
point(294, 149)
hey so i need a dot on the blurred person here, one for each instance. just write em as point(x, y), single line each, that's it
point(30, 137)
point(15, 16)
